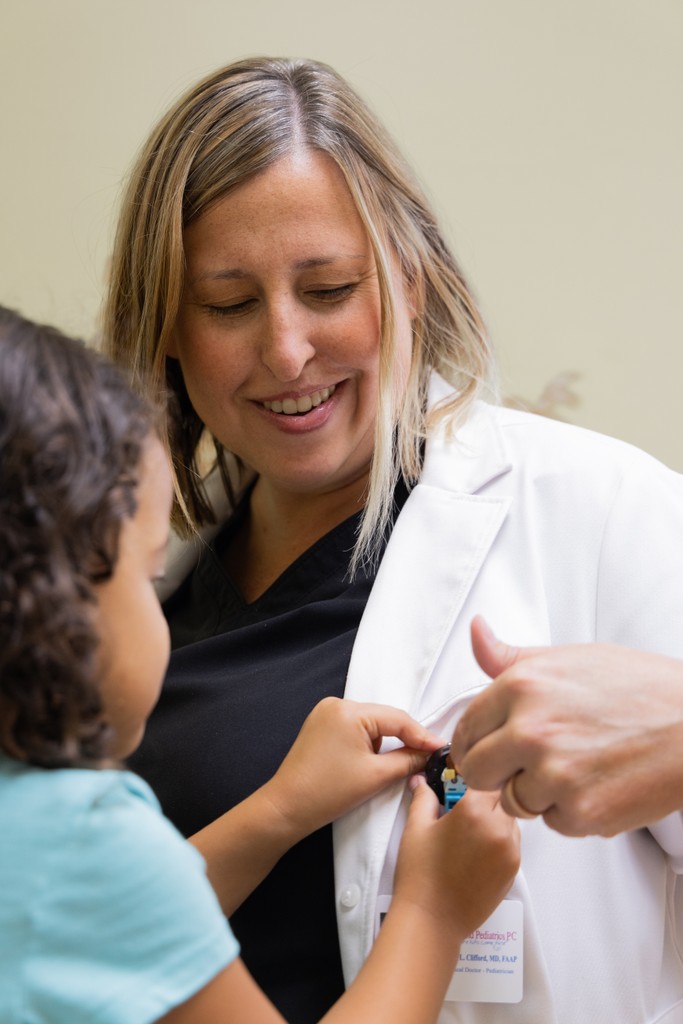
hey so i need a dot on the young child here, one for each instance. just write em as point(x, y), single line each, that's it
point(106, 914)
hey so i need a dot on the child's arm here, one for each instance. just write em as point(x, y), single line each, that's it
point(332, 767)
point(451, 874)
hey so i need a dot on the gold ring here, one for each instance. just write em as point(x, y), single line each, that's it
point(518, 809)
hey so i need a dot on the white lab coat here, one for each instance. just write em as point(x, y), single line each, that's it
point(557, 535)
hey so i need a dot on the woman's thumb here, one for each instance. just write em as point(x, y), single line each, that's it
point(492, 655)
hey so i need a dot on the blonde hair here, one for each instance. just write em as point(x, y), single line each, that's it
point(234, 123)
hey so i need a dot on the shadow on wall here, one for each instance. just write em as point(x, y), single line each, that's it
point(557, 392)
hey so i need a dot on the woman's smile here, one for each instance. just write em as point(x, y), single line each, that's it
point(297, 414)
point(291, 405)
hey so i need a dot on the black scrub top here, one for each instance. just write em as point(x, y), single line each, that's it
point(241, 680)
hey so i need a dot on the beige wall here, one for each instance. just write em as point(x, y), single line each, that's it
point(549, 135)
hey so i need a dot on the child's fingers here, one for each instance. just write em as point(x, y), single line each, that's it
point(382, 720)
point(399, 764)
point(483, 800)
point(480, 804)
point(424, 807)
point(482, 808)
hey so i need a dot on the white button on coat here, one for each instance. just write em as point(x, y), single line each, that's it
point(349, 896)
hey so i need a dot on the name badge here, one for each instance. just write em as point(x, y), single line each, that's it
point(491, 964)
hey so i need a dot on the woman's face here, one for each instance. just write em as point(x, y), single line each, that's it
point(279, 328)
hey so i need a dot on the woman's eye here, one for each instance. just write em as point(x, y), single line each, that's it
point(234, 309)
point(332, 294)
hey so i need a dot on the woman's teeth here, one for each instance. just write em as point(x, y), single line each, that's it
point(297, 406)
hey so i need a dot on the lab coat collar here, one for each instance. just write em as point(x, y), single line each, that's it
point(482, 453)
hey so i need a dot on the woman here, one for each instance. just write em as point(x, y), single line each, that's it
point(278, 265)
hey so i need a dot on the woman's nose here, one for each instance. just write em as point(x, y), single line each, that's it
point(286, 347)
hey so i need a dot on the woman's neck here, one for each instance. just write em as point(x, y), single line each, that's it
point(280, 526)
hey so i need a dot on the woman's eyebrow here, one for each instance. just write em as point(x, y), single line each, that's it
point(236, 274)
point(325, 261)
point(225, 274)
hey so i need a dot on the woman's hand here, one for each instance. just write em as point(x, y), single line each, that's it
point(591, 734)
point(335, 764)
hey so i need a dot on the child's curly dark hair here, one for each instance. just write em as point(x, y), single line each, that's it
point(72, 434)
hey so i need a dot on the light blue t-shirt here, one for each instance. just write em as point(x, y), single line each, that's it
point(106, 914)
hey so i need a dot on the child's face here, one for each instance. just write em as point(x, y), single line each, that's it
point(132, 628)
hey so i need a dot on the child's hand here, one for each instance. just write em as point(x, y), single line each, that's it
point(334, 764)
point(460, 865)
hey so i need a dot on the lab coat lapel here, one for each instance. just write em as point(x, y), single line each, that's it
point(437, 547)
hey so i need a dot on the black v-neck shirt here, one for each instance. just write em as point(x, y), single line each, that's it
point(241, 680)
